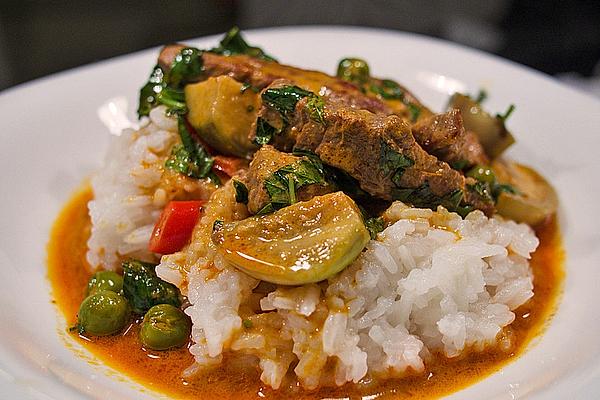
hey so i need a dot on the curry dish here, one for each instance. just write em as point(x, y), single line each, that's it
point(270, 232)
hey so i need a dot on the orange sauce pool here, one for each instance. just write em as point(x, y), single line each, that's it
point(69, 272)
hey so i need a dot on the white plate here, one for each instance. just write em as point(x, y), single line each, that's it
point(52, 139)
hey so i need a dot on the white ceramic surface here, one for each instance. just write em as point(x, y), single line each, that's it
point(51, 139)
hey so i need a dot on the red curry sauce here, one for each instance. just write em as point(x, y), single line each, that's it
point(161, 371)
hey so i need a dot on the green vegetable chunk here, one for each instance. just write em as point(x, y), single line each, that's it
point(306, 242)
point(144, 289)
point(165, 327)
point(103, 313)
point(105, 280)
point(482, 174)
point(529, 198)
point(490, 131)
point(353, 70)
point(212, 105)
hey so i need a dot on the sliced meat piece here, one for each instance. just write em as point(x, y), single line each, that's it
point(266, 161)
point(261, 73)
point(379, 151)
point(444, 136)
point(356, 141)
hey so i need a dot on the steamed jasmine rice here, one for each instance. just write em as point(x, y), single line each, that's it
point(131, 191)
point(432, 282)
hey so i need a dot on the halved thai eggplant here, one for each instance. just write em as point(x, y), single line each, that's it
point(305, 242)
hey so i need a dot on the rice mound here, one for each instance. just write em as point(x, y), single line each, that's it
point(432, 282)
point(131, 190)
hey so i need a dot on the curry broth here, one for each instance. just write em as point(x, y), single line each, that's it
point(161, 371)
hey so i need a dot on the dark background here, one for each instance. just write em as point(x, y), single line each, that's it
point(38, 38)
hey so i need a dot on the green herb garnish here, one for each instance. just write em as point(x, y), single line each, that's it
point(264, 132)
point(504, 117)
point(186, 67)
point(150, 91)
point(393, 163)
point(374, 226)
point(190, 158)
point(482, 189)
point(156, 92)
point(423, 197)
point(241, 192)
point(316, 108)
point(341, 179)
point(481, 96)
point(284, 99)
point(284, 183)
point(233, 43)
point(217, 225)
point(247, 86)
point(144, 289)
point(167, 88)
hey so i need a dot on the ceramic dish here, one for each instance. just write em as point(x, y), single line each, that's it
point(52, 139)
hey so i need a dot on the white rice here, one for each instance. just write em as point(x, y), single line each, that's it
point(431, 283)
point(124, 210)
point(131, 190)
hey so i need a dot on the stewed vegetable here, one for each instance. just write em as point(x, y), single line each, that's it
point(354, 70)
point(490, 130)
point(105, 280)
point(534, 199)
point(305, 242)
point(211, 105)
point(103, 313)
point(174, 226)
point(165, 327)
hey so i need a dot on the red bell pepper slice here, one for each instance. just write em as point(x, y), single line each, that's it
point(175, 225)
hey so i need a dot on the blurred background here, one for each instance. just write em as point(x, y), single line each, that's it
point(37, 38)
